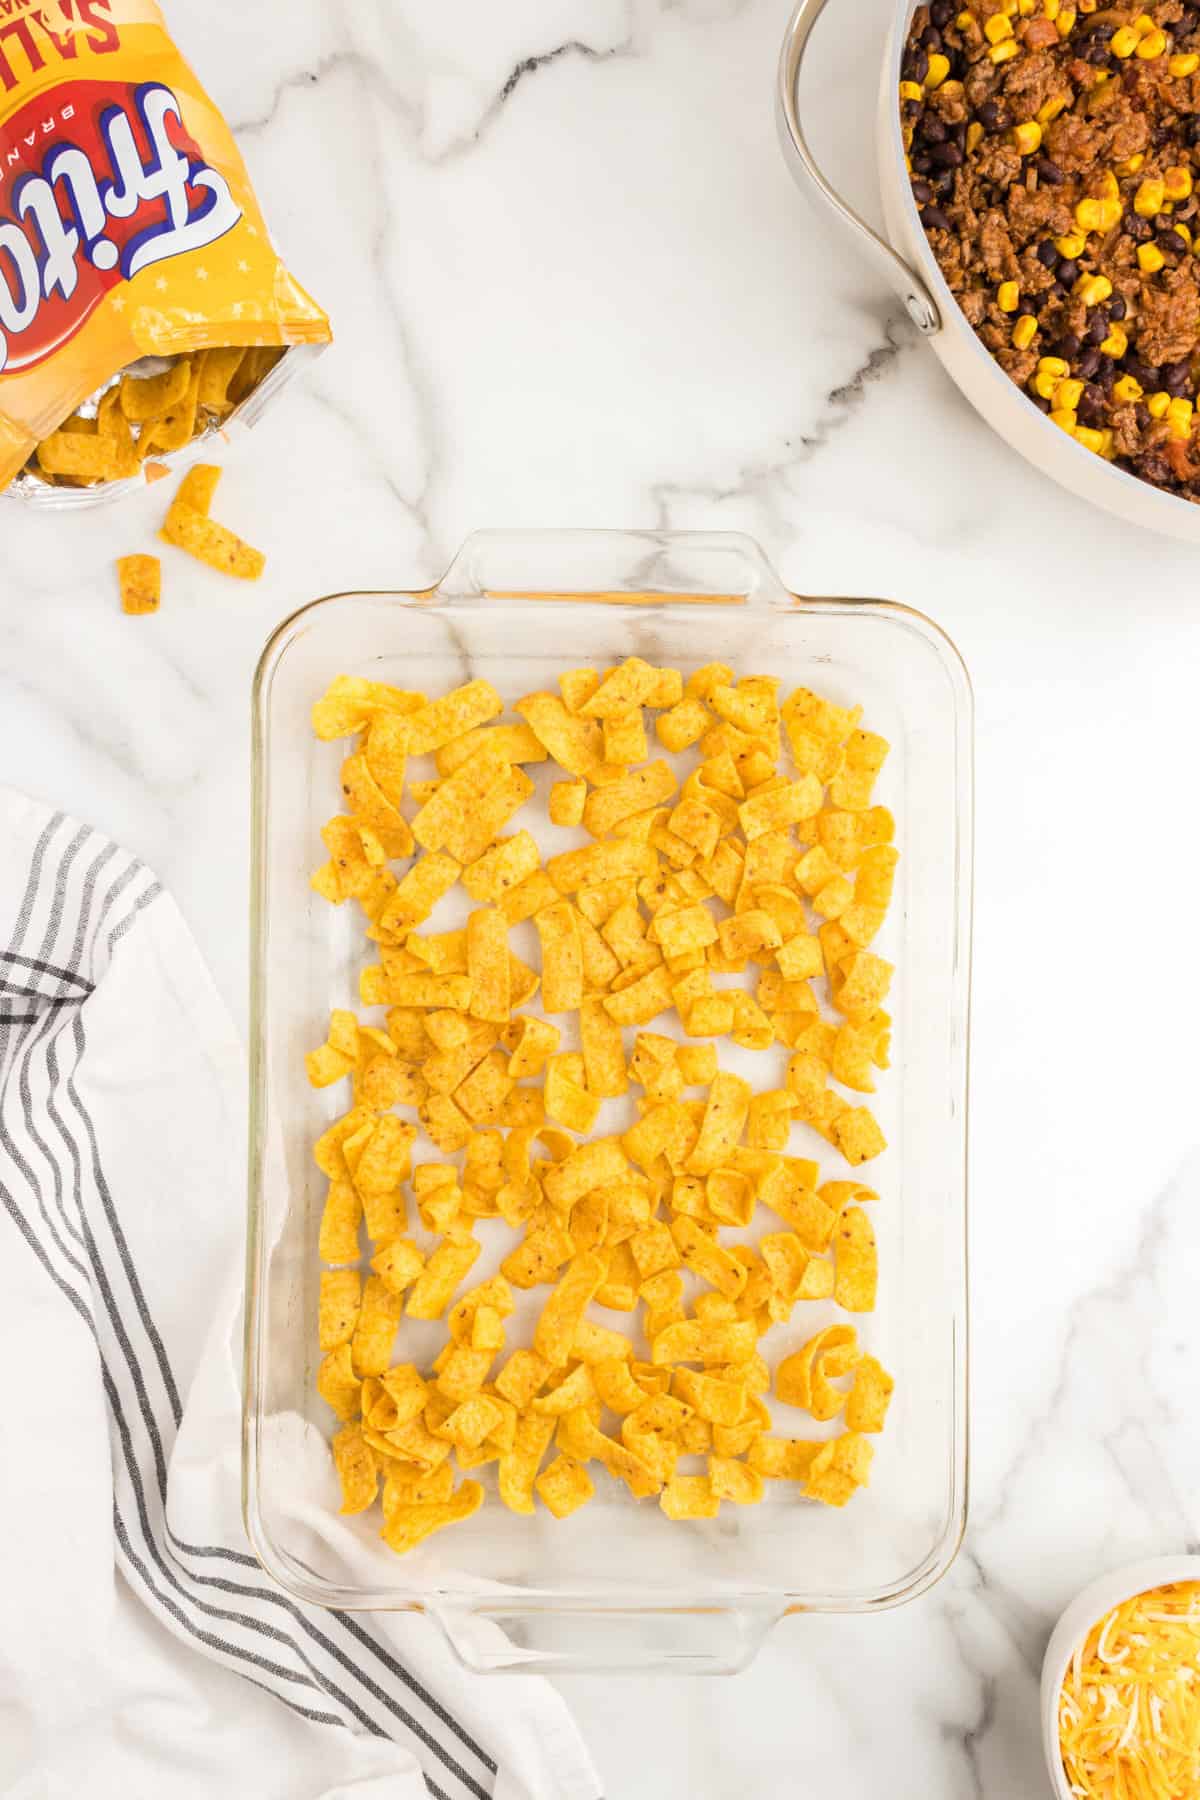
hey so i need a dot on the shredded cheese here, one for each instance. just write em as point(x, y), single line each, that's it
point(1129, 1713)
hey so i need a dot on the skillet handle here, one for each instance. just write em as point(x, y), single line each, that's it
point(918, 301)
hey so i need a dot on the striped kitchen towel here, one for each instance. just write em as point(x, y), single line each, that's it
point(142, 1650)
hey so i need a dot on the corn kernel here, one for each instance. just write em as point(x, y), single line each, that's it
point(1002, 53)
point(1065, 420)
point(1056, 104)
point(1044, 385)
point(1053, 365)
point(1143, 25)
point(1150, 258)
point(1110, 214)
point(1050, 9)
point(1065, 21)
point(1099, 77)
point(1087, 6)
point(1177, 182)
point(1073, 244)
point(1183, 232)
point(1109, 190)
point(1087, 215)
point(1090, 439)
point(1067, 394)
point(1124, 42)
point(1153, 44)
point(1157, 404)
point(953, 88)
point(1026, 7)
point(939, 68)
point(1126, 390)
point(1179, 418)
point(1106, 445)
point(1149, 198)
point(907, 137)
point(974, 135)
point(1186, 64)
point(1024, 331)
point(1132, 164)
point(1027, 137)
point(997, 28)
point(962, 20)
point(911, 90)
point(1008, 295)
point(1116, 343)
point(1092, 289)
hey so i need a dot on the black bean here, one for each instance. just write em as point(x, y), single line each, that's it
point(1137, 228)
point(1194, 129)
point(959, 133)
point(992, 116)
point(1107, 375)
point(922, 162)
point(1177, 384)
point(922, 192)
point(1097, 329)
point(1047, 253)
point(1027, 307)
point(932, 39)
point(934, 219)
point(1068, 271)
point(1166, 239)
point(1068, 347)
point(1091, 403)
point(915, 67)
point(1087, 365)
point(932, 129)
point(1096, 54)
point(943, 184)
point(1050, 171)
point(1043, 406)
point(941, 13)
point(1058, 291)
point(1141, 413)
point(1175, 371)
point(1116, 307)
point(946, 156)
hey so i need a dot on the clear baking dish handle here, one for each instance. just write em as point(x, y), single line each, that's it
point(918, 301)
point(623, 568)
point(497, 1636)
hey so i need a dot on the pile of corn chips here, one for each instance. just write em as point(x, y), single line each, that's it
point(691, 882)
point(141, 417)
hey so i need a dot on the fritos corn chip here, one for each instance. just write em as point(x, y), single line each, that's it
point(131, 232)
point(141, 583)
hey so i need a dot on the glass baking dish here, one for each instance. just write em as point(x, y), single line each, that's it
point(618, 1585)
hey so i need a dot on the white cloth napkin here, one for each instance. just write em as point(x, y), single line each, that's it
point(142, 1650)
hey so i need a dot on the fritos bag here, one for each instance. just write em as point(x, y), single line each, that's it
point(128, 229)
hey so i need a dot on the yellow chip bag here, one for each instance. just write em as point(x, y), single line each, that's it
point(130, 231)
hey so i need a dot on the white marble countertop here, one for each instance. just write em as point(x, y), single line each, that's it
point(573, 285)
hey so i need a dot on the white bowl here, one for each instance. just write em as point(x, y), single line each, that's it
point(907, 263)
point(1098, 1598)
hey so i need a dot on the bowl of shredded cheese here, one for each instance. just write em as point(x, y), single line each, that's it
point(1121, 1686)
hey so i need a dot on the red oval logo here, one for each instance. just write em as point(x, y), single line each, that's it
point(98, 181)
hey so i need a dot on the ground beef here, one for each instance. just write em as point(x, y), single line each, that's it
point(994, 204)
point(995, 248)
point(1168, 319)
